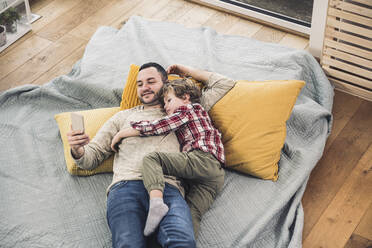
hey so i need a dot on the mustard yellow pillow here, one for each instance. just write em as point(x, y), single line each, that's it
point(93, 121)
point(129, 98)
point(252, 119)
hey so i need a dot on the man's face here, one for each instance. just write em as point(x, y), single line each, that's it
point(149, 83)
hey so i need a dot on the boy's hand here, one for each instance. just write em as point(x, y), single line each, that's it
point(125, 133)
point(115, 142)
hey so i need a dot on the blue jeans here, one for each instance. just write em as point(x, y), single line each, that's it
point(127, 208)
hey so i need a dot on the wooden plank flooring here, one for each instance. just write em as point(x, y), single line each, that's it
point(338, 199)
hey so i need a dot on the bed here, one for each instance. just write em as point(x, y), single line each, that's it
point(42, 205)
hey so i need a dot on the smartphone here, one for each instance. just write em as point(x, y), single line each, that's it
point(77, 121)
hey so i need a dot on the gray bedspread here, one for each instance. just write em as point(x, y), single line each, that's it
point(41, 205)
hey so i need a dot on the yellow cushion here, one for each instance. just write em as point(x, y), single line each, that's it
point(252, 119)
point(129, 98)
point(93, 120)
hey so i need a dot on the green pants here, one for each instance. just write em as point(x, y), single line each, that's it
point(201, 170)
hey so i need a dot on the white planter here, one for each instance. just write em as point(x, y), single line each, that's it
point(11, 28)
point(2, 35)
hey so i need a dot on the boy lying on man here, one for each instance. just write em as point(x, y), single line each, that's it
point(200, 160)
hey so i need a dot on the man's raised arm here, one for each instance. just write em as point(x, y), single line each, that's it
point(216, 85)
point(187, 71)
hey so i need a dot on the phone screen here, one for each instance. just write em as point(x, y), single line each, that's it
point(77, 121)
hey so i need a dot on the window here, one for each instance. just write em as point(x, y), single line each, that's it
point(306, 17)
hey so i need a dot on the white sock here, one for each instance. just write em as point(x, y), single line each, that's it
point(158, 209)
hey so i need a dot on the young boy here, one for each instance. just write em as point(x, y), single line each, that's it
point(200, 159)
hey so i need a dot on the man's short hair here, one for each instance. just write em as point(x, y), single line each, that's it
point(159, 68)
point(180, 87)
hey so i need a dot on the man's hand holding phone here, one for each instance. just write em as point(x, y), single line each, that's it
point(76, 137)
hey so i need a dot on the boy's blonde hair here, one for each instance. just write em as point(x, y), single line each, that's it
point(180, 87)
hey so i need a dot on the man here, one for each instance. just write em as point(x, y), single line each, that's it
point(127, 200)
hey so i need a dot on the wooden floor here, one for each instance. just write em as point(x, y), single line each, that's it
point(338, 199)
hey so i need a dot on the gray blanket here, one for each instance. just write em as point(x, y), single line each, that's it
point(41, 205)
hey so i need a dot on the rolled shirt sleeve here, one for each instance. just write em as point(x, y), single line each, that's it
point(164, 125)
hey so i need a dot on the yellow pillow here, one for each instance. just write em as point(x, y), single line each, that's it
point(93, 120)
point(252, 119)
point(129, 98)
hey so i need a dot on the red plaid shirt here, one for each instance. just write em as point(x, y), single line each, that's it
point(193, 127)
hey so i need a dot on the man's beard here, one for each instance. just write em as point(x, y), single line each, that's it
point(155, 101)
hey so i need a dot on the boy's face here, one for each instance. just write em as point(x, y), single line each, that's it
point(172, 102)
